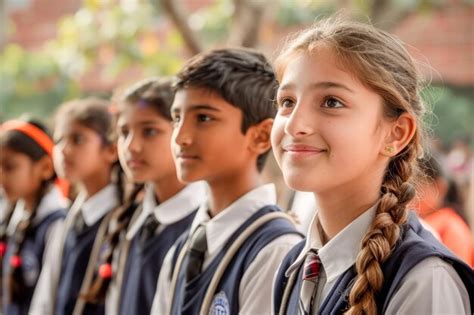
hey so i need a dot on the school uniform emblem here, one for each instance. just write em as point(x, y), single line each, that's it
point(220, 305)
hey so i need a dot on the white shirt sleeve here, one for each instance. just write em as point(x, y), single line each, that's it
point(255, 292)
point(161, 303)
point(431, 287)
point(42, 300)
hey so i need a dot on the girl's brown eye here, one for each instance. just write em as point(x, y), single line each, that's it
point(331, 102)
point(286, 103)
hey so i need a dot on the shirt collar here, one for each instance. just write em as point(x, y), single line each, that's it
point(223, 225)
point(53, 200)
point(96, 206)
point(4, 207)
point(341, 251)
point(172, 210)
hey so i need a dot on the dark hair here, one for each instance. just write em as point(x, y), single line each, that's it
point(158, 94)
point(92, 113)
point(381, 63)
point(154, 92)
point(19, 142)
point(242, 77)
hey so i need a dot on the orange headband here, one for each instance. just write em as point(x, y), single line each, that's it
point(35, 133)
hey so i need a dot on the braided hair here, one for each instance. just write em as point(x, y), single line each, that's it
point(381, 63)
point(20, 142)
point(158, 95)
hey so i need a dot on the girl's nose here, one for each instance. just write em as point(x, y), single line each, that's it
point(300, 123)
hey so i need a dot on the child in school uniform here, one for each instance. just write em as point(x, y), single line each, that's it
point(85, 154)
point(222, 113)
point(168, 208)
point(28, 180)
point(349, 129)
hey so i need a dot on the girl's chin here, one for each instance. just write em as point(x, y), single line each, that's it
point(300, 183)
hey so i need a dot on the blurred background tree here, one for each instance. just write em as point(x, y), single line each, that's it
point(104, 43)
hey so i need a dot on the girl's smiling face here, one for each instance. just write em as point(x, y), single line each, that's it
point(329, 130)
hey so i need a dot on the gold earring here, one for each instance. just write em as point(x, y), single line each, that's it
point(390, 149)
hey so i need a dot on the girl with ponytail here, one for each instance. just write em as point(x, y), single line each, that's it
point(349, 129)
point(27, 179)
point(138, 239)
point(85, 154)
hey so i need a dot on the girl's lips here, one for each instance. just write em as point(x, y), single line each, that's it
point(301, 148)
point(135, 163)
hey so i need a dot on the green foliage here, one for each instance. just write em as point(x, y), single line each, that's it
point(452, 113)
point(110, 37)
point(31, 82)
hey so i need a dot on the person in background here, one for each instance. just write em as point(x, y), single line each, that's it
point(28, 180)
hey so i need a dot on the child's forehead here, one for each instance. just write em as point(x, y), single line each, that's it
point(193, 98)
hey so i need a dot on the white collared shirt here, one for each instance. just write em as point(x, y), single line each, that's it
point(53, 200)
point(4, 207)
point(97, 206)
point(172, 210)
point(255, 287)
point(413, 296)
point(93, 209)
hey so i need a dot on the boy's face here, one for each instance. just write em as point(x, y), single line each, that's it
point(207, 140)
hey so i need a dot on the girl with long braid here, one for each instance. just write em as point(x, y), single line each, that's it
point(349, 129)
point(85, 154)
point(28, 178)
point(138, 240)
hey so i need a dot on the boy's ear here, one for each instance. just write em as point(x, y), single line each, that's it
point(260, 136)
point(400, 134)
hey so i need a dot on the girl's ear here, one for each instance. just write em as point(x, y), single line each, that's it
point(260, 136)
point(111, 153)
point(45, 167)
point(401, 132)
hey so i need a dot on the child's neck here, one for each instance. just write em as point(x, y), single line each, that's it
point(166, 188)
point(226, 190)
point(32, 201)
point(96, 183)
point(336, 210)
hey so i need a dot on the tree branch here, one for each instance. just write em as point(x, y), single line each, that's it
point(246, 22)
point(179, 18)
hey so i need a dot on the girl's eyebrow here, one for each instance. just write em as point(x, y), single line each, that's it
point(319, 85)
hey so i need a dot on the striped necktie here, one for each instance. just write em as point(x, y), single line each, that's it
point(148, 229)
point(196, 253)
point(312, 268)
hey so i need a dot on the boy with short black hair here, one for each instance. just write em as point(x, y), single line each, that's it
point(223, 113)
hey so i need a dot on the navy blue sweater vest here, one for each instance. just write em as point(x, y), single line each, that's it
point(76, 254)
point(143, 267)
point(32, 262)
point(227, 297)
point(415, 245)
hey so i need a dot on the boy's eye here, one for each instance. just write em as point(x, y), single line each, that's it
point(331, 102)
point(203, 118)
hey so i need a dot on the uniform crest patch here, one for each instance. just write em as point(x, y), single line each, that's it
point(220, 305)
